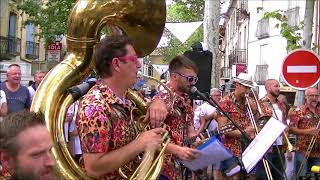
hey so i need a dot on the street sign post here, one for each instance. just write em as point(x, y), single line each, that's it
point(301, 69)
point(54, 51)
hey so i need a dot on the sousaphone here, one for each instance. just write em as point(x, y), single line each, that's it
point(142, 20)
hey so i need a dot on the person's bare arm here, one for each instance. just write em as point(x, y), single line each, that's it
point(3, 109)
point(99, 164)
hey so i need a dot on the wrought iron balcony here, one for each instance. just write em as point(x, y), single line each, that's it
point(261, 74)
point(225, 73)
point(238, 56)
point(9, 46)
point(32, 50)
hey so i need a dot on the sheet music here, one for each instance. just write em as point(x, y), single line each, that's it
point(261, 143)
point(212, 152)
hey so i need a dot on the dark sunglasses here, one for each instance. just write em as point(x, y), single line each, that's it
point(191, 79)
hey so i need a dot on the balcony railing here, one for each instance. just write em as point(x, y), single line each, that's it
point(262, 29)
point(32, 50)
point(238, 56)
point(225, 73)
point(9, 46)
point(261, 74)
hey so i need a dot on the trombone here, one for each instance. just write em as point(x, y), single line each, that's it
point(307, 154)
point(254, 125)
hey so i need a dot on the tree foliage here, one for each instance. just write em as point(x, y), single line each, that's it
point(183, 11)
point(288, 32)
point(50, 16)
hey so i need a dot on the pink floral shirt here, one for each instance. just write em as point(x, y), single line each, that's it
point(104, 124)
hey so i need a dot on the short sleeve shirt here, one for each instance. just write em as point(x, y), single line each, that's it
point(18, 100)
point(238, 112)
point(104, 124)
point(178, 121)
point(303, 118)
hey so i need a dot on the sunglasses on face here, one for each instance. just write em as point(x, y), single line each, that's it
point(191, 79)
point(132, 58)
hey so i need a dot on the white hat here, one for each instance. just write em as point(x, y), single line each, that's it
point(244, 79)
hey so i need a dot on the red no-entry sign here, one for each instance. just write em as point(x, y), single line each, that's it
point(301, 69)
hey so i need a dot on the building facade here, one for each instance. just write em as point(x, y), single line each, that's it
point(18, 43)
point(254, 45)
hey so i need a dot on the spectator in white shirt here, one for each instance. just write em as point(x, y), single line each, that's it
point(3, 105)
point(38, 77)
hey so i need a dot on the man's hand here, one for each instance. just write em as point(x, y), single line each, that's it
point(187, 154)
point(313, 131)
point(250, 131)
point(151, 140)
point(156, 113)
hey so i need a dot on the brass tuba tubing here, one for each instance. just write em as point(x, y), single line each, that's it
point(135, 18)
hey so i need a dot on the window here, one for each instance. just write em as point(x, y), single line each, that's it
point(150, 70)
point(263, 51)
point(293, 16)
point(262, 29)
point(30, 39)
point(245, 38)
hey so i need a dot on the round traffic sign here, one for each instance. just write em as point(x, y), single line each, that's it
point(301, 69)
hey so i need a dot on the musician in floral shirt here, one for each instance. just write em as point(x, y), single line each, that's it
point(183, 75)
point(108, 139)
point(235, 104)
point(271, 107)
point(303, 123)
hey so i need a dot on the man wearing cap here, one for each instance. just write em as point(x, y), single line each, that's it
point(235, 105)
point(271, 107)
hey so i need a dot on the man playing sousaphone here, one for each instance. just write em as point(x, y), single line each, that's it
point(235, 104)
point(271, 107)
point(303, 123)
point(108, 139)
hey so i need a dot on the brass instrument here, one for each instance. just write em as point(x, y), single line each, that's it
point(143, 21)
point(263, 118)
point(155, 168)
point(307, 154)
point(254, 125)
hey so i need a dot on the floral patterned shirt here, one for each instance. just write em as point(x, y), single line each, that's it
point(4, 174)
point(178, 121)
point(267, 109)
point(238, 112)
point(104, 124)
point(303, 118)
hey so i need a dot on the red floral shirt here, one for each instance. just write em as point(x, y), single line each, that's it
point(238, 112)
point(267, 109)
point(4, 174)
point(104, 124)
point(303, 118)
point(178, 121)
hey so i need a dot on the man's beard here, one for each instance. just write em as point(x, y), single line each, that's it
point(274, 94)
point(22, 174)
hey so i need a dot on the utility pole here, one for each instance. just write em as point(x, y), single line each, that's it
point(211, 36)
point(307, 38)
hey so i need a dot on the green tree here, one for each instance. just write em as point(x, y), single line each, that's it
point(183, 11)
point(288, 32)
point(50, 16)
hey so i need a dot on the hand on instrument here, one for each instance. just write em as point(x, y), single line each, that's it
point(156, 113)
point(152, 139)
point(313, 131)
point(289, 156)
point(188, 154)
point(250, 131)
